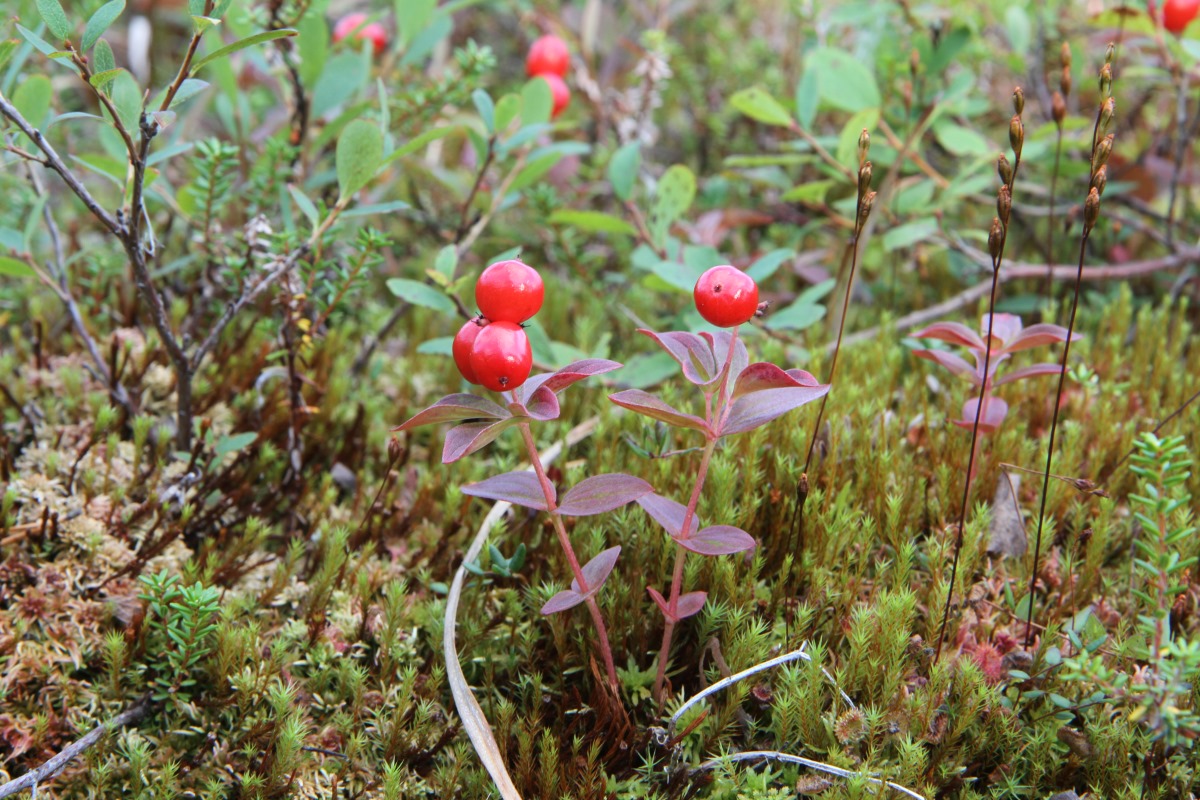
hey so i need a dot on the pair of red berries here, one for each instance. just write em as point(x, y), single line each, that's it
point(370, 31)
point(725, 296)
point(549, 58)
point(492, 349)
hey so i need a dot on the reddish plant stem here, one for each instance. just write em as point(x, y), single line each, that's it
point(564, 540)
point(714, 414)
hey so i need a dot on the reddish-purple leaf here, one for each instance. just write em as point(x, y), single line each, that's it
point(762, 375)
point(462, 440)
point(668, 513)
point(651, 406)
point(454, 407)
point(994, 412)
point(693, 353)
point(718, 540)
point(953, 332)
point(1005, 328)
point(758, 408)
point(1038, 335)
point(661, 602)
point(579, 370)
point(543, 404)
point(1029, 372)
point(602, 493)
point(689, 604)
point(565, 599)
point(596, 571)
point(954, 363)
point(719, 342)
point(519, 488)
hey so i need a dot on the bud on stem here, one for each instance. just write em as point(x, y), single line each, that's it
point(1004, 170)
point(996, 242)
point(864, 179)
point(1004, 204)
point(1100, 179)
point(1016, 136)
point(1058, 108)
point(1091, 210)
point(1018, 99)
point(864, 146)
point(864, 209)
point(1103, 151)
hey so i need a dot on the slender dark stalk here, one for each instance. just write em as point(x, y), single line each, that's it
point(1050, 220)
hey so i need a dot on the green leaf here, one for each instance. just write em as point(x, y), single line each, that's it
point(623, 169)
point(102, 57)
point(7, 48)
point(231, 444)
point(534, 171)
point(808, 97)
point(486, 108)
point(962, 141)
point(127, 97)
point(676, 190)
point(766, 266)
point(42, 46)
point(359, 157)
point(757, 104)
point(420, 294)
point(15, 269)
point(441, 346)
point(312, 42)
point(242, 44)
point(847, 149)
point(424, 42)
point(377, 208)
point(305, 205)
point(536, 102)
point(105, 16)
point(592, 221)
point(187, 90)
point(507, 109)
point(909, 234)
point(418, 142)
point(810, 192)
point(846, 83)
point(32, 98)
point(55, 18)
point(344, 77)
point(447, 261)
point(101, 80)
point(681, 277)
point(796, 317)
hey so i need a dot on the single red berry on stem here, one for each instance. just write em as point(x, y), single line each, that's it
point(463, 341)
point(501, 356)
point(509, 291)
point(371, 31)
point(1178, 14)
point(559, 91)
point(548, 55)
point(725, 296)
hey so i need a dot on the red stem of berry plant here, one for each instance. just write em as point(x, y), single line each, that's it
point(565, 541)
point(712, 412)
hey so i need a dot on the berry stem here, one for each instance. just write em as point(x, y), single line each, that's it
point(564, 540)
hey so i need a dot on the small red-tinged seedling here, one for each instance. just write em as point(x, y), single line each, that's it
point(480, 421)
point(725, 296)
point(559, 91)
point(501, 356)
point(548, 55)
point(461, 349)
point(357, 24)
point(509, 291)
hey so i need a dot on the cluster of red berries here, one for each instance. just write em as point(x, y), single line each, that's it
point(726, 297)
point(357, 24)
point(492, 349)
point(549, 59)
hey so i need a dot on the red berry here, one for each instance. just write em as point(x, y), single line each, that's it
point(501, 356)
point(509, 291)
point(1178, 14)
point(725, 296)
point(559, 91)
point(353, 23)
point(463, 341)
point(548, 55)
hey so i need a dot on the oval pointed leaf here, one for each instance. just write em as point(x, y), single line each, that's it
point(519, 488)
point(601, 493)
point(465, 439)
point(55, 18)
point(668, 513)
point(596, 571)
point(719, 342)
point(105, 16)
point(689, 604)
point(753, 410)
point(421, 294)
point(623, 169)
point(1037, 335)
point(577, 371)
point(543, 405)
point(359, 156)
point(676, 191)
point(763, 375)
point(692, 352)
point(1030, 372)
point(242, 44)
point(562, 601)
point(718, 540)
point(951, 362)
point(994, 413)
point(455, 407)
point(953, 332)
point(757, 104)
point(649, 405)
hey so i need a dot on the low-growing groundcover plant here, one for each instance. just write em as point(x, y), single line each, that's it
point(240, 241)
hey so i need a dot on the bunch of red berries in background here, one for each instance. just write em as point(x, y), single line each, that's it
point(358, 25)
point(492, 349)
point(549, 59)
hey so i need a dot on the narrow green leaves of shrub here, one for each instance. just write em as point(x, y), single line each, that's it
point(359, 156)
point(105, 16)
point(55, 18)
point(242, 44)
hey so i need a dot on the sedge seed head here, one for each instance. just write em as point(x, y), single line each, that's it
point(1091, 209)
point(1016, 135)
point(1018, 99)
point(995, 241)
point(1058, 108)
